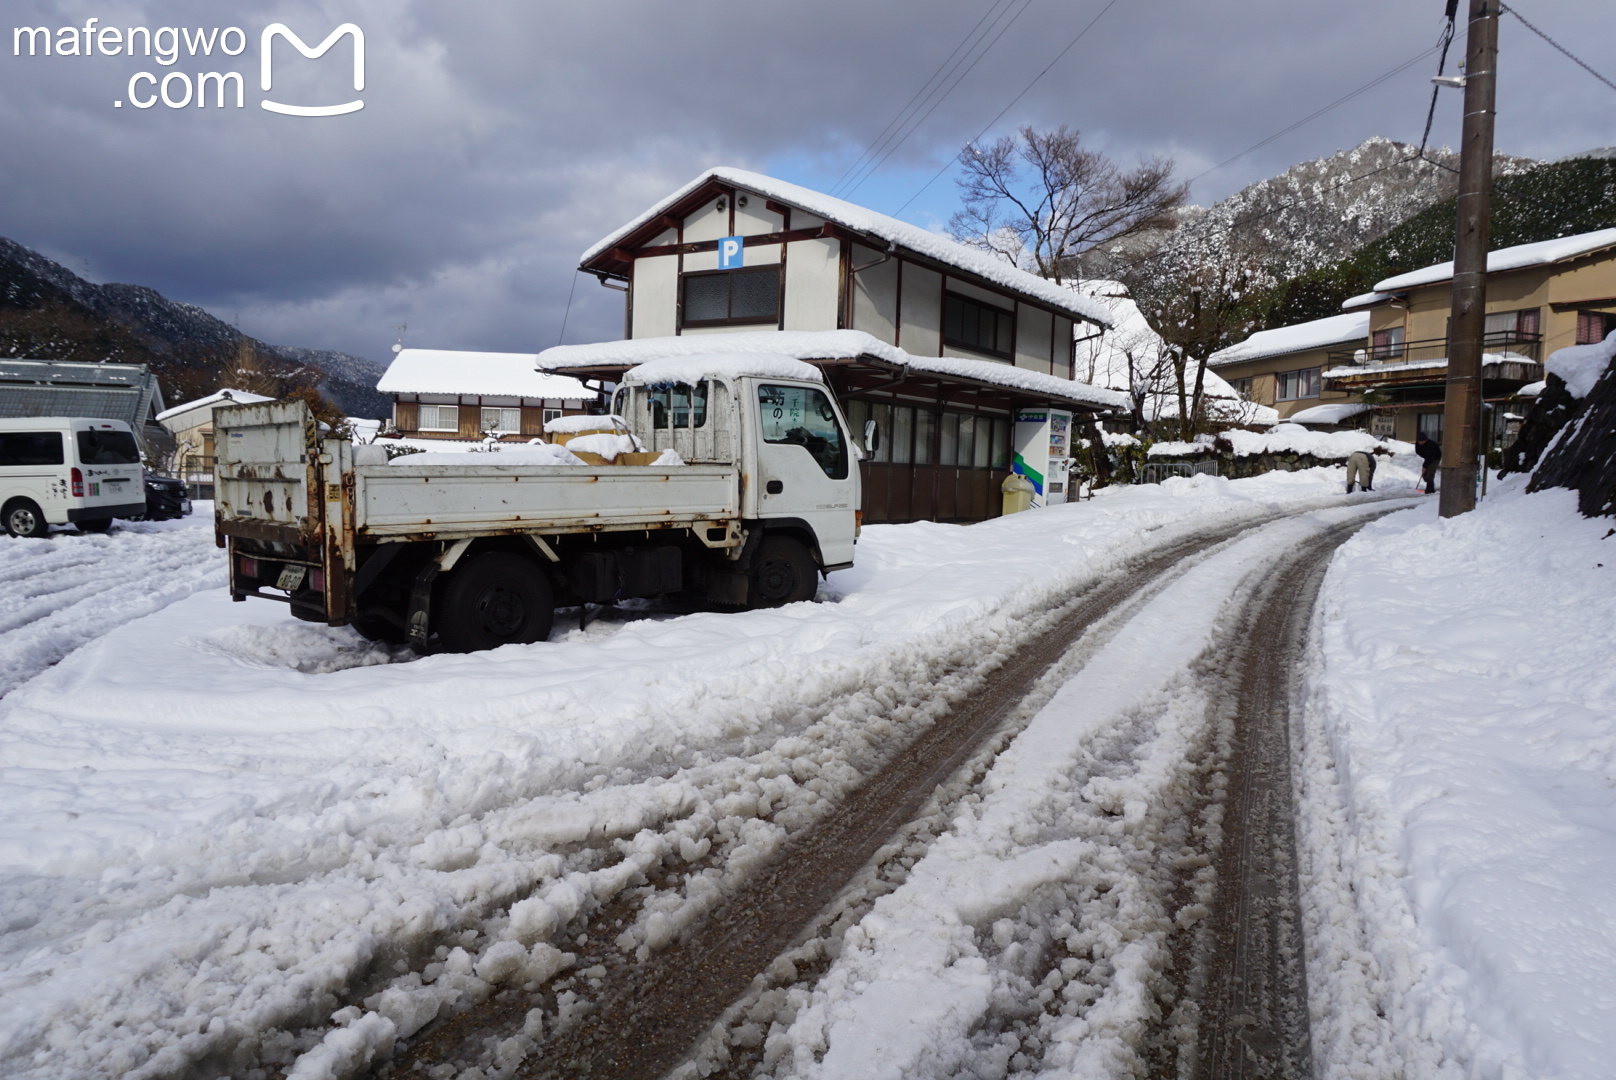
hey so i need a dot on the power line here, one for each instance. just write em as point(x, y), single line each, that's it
point(914, 125)
point(1058, 56)
point(1567, 52)
point(967, 43)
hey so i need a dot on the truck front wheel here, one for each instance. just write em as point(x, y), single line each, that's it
point(492, 600)
point(782, 573)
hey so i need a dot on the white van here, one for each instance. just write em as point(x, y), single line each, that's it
point(62, 470)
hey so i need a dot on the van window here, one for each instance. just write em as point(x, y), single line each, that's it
point(108, 448)
point(31, 448)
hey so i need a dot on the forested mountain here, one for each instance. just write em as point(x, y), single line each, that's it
point(48, 312)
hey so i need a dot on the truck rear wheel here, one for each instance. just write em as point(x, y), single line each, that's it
point(782, 573)
point(23, 518)
point(492, 600)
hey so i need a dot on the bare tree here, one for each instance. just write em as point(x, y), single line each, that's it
point(1040, 199)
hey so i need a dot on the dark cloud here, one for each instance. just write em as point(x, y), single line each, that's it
point(500, 139)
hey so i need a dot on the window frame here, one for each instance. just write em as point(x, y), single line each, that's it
point(420, 416)
point(772, 319)
point(1008, 315)
point(482, 419)
point(1309, 383)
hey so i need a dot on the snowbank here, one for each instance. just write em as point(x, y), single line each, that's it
point(214, 820)
point(1295, 439)
point(1581, 365)
point(1461, 875)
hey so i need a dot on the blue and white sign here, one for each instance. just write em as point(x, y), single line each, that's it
point(731, 253)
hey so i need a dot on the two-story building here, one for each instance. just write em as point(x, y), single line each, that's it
point(447, 394)
point(947, 343)
point(1540, 297)
point(1283, 369)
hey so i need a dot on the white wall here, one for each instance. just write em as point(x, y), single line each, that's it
point(656, 282)
point(922, 313)
point(875, 294)
point(813, 271)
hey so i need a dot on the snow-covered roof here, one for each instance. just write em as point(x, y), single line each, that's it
point(1318, 334)
point(861, 219)
point(1363, 300)
point(1581, 366)
point(820, 345)
point(1333, 413)
point(447, 371)
point(234, 397)
point(1543, 253)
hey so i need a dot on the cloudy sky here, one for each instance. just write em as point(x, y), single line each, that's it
point(499, 139)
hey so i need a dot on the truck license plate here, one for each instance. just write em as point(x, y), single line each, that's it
point(290, 578)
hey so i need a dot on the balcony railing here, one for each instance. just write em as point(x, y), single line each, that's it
point(1524, 348)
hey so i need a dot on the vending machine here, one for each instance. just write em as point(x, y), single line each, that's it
point(1043, 452)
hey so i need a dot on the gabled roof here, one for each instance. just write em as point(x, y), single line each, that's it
point(448, 371)
point(238, 397)
point(856, 219)
point(1318, 334)
point(1543, 253)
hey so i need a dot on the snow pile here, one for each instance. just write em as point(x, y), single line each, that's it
point(1171, 448)
point(726, 364)
point(218, 824)
point(443, 371)
point(1113, 438)
point(606, 444)
point(1295, 439)
point(1333, 413)
point(564, 425)
point(864, 220)
point(1318, 334)
point(1459, 871)
point(1581, 365)
point(517, 454)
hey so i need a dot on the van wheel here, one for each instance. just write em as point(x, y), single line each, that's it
point(100, 525)
point(24, 518)
point(782, 573)
point(493, 600)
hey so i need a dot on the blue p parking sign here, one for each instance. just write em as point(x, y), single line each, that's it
point(731, 253)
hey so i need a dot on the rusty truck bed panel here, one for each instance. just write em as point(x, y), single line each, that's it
point(446, 500)
point(264, 473)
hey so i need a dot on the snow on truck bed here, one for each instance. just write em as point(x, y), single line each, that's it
point(212, 817)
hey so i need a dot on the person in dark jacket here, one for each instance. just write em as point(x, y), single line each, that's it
point(1431, 454)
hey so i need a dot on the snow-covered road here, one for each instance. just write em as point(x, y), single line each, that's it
point(232, 841)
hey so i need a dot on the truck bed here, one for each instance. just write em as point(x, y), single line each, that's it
point(451, 501)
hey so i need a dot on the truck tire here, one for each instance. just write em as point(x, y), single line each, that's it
point(96, 525)
point(782, 573)
point(492, 600)
point(24, 518)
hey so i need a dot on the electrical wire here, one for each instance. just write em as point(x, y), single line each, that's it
point(1567, 52)
point(1441, 65)
point(914, 125)
point(568, 310)
point(963, 49)
point(1058, 56)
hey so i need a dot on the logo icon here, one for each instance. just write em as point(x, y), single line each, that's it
point(274, 30)
point(731, 253)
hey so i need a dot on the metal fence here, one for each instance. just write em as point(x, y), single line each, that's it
point(1154, 472)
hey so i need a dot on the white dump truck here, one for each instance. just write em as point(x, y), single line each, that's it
point(464, 551)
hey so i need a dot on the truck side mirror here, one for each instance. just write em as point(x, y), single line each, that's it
point(872, 436)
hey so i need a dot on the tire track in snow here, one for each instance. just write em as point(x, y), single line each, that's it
point(646, 1020)
point(64, 591)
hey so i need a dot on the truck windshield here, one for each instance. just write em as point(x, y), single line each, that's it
point(802, 416)
point(108, 448)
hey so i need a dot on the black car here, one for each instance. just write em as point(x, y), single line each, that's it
point(166, 498)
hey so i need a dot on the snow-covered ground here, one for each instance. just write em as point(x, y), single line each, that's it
point(217, 822)
point(1459, 814)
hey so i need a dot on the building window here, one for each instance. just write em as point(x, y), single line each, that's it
point(971, 324)
point(1512, 325)
point(1294, 385)
point(731, 297)
point(1389, 343)
point(1242, 387)
point(552, 414)
point(440, 418)
point(1429, 423)
point(1594, 327)
point(502, 421)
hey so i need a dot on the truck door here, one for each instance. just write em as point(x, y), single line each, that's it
point(805, 466)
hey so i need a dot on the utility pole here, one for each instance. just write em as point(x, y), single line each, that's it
point(1461, 438)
